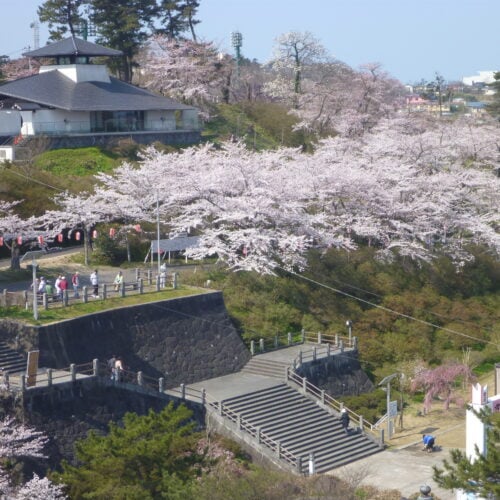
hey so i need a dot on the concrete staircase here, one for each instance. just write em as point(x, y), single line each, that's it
point(302, 427)
point(258, 365)
point(10, 360)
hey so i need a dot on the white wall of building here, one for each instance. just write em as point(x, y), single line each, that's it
point(81, 72)
point(52, 121)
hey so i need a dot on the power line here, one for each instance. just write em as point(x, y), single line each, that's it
point(392, 311)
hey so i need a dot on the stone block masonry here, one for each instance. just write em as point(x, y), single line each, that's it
point(184, 340)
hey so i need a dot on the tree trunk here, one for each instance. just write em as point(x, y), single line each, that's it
point(15, 263)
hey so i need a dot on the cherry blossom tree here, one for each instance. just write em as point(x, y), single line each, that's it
point(440, 382)
point(13, 69)
point(196, 73)
point(76, 212)
point(39, 489)
point(18, 442)
point(407, 187)
point(14, 230)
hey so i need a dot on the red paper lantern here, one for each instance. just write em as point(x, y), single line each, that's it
point(78, 236)
point(19, 240)
point(60, 238)
point(94, 234)
point(1, 241)
point(138, 228)
point(40, 240)
point(112, 232)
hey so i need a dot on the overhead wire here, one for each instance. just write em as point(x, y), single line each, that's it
point(387, 309)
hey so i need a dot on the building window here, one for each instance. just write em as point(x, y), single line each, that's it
point(117, 121)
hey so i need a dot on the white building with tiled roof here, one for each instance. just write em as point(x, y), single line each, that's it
point(75, 103)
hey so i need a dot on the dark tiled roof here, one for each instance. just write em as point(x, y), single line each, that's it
point(73, 46)
point(53, 89)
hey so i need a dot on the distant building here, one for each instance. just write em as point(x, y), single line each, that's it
point(484, 78)
point(74, 103)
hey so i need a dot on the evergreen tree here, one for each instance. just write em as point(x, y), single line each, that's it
point(494, 107)
point(481, 476)
point(62, 16)
point(189, 8)
point(151, 456)
point(173, 21)
point(123, 25)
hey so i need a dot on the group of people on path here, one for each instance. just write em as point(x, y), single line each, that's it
point(56, 290)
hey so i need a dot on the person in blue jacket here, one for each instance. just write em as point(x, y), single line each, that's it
point(428, 441)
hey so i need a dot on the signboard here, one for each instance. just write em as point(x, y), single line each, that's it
point(32, 368)
point(393, 409)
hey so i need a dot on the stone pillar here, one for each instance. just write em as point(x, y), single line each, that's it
point(289, 338)
point(322, 396)
point(361, 424)
point(122, 289)
point(312, 464)
point(336, 339)
point(298, 464)
point(303, 335)
point(183, 391)
point(203, 396)
point(425, 493)
point(328, 349)
point(320, 339)
point(252, 347)
point(304, 384)
point(104, 291)
point(23, 383)
point(95, 367)
point(381, 437)
point(137, 274)
point(45, 301)
point(141, 286)
point(278, 449)
point(161, 384)
point(140, 379)
point(49, 377)
point(300, 358)
point(65, 298)
point(72, 371)
point(221, 407)
point(286, 374)
point(149, 277)
point(238, 422)
point(341, 346)
point(314, 353)
point(157, 282)
point(175, 281)
point(4, 297)
point(257, 435)
point(85, 295)
point(6, 380)
point(261, 345)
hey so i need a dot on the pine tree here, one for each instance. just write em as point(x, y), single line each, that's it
point(151, 456)
point(481, 476)
point(123, 25)
point(62, 16)
point(494, 107)
point(189, 8)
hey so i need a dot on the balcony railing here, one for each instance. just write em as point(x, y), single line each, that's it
point(111, 126)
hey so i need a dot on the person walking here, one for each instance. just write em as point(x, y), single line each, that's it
point(75, 281)
point(118, 281)
point(63, 287)
point(42, 286)
point(118, 369)
point(94, 281)
point(344, 420)
point(57, 287)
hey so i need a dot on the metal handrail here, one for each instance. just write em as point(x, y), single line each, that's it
point(326, 399)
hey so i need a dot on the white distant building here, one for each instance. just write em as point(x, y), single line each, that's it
point(485, 77)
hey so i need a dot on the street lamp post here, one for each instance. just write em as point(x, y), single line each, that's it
point(158, 231)
point(348, 323)
point(387, 382)
point(35, 288)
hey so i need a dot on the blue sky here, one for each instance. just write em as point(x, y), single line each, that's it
point(411, 39)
